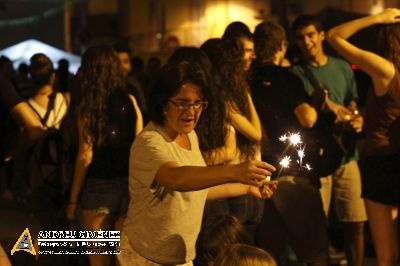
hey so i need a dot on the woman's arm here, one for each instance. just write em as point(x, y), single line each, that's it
point(82, 162)
point(380, 69)
point(225, 153)
point(139, 117)
point(251, 129)
point(191, 178)
point(237, 189)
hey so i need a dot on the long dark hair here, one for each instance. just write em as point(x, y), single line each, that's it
point(230, 78)
point(101, 76)
point(388, 44)
point(211, 127)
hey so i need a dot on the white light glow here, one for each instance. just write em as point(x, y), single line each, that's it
point(285, 162)
point(23, 51)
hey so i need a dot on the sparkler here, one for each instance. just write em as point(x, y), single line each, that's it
point(285, 162)
point(294, 140)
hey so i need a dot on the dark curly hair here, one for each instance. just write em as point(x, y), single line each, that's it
point(101, 76)
point(178, 71)
point(237, 30)
point(211, 127)
point(230, 79)
point(388, 44)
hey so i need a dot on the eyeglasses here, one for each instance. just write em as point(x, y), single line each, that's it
point(197, 106)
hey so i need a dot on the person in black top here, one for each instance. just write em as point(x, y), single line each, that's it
point(295, 213)
point(108, 118)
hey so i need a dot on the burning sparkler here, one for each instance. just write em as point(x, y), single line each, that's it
point(294, 140)
point(285, 162)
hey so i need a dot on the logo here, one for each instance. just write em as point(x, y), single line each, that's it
point(24, 243)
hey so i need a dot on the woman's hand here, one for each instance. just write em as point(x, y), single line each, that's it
point(388, 16)
point(266, 190)
point(71, 210)
point(357, 123)
point(252, 172)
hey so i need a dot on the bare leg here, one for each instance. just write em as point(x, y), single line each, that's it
point(383, 224)
point(93, 221)
point(354, 242)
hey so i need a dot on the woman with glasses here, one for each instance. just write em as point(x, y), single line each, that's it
point(381, 163)
point(168, 179)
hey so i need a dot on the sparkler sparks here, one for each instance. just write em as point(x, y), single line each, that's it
point(285, 161)
point(294, 139)
point(301, 154)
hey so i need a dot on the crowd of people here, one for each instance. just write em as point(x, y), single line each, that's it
point(187, 161)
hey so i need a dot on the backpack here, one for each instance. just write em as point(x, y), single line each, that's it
point(46, 157)
point(325, 146)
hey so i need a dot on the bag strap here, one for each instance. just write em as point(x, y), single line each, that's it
point(50, 107)
point(58, 111)
point(311, 77)
point(321, 91)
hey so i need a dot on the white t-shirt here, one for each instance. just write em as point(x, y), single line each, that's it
point(57, 114)
point(162, 225)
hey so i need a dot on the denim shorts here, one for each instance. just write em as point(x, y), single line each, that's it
point(110, 196)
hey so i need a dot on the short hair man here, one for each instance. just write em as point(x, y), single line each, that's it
point(337, 77)
point(295, 214)
point(132, 83)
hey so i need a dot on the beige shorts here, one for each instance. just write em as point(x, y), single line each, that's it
point(128, 256)
point(345, 187)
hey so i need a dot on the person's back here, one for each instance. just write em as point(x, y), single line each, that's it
point(276, 92)
point(110, 160)
point(294, 216)
point(49, 106)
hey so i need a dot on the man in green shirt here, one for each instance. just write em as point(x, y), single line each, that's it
point(337, 77)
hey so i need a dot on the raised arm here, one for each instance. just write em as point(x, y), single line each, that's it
point(251, 129)
point(380, 69)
